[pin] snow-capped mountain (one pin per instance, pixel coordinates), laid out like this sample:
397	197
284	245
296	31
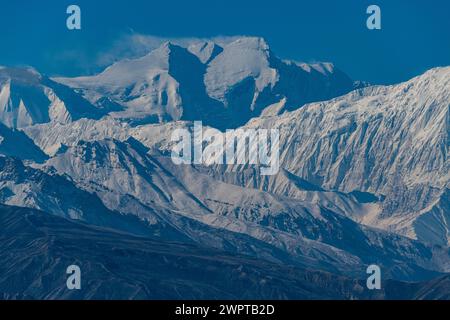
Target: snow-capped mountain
364	174
184	204
386	144
224	85
390	141
28	98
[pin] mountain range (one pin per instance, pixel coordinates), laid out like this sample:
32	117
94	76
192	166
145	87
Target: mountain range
86	176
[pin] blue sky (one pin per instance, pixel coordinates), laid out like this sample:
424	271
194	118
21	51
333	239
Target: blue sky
415	34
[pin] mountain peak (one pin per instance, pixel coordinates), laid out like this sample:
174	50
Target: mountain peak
223	82
169	45
255	43
205	50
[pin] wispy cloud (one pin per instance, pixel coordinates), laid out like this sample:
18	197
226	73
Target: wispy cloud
133	45
128	45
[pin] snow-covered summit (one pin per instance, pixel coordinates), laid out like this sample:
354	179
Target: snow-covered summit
224	85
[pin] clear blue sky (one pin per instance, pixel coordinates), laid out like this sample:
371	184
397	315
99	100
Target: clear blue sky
415	34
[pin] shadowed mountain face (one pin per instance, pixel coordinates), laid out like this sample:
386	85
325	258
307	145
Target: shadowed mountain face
15	143
37	248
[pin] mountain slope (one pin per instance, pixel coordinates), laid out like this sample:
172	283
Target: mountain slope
17	144
33	266
303	229
388	143
24	186
391	141
28	98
